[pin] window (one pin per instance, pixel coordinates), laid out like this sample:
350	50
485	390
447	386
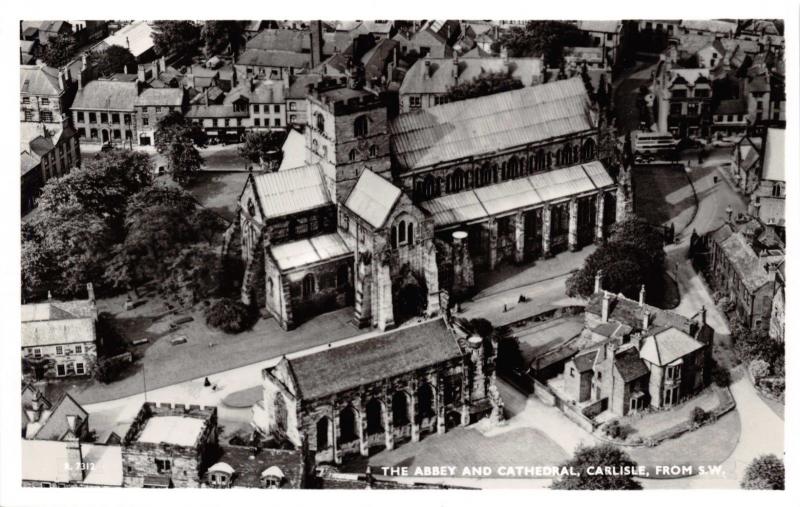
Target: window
59	350
93	133
320	121
163	465
117	134
145	121
28	115
309	286
37	353
158	109
45	101
292	118
103	117
92	117
352	155
277	122
79	368
414	102
226	122
256	108
60	370
115	118
373	151
257	122
572	372
26	100
292	106
276	108
673	372
679	94
702	93
82	132
46	116
79	349
79	116
360	126
776	190
127	119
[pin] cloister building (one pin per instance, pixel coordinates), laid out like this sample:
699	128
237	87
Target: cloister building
388	215
380	391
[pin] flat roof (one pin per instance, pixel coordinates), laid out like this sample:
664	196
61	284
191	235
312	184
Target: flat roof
172	429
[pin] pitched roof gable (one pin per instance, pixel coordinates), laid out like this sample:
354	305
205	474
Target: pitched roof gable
373	198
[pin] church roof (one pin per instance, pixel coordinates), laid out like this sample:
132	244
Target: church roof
483	125
491	200
291	191
309	251
370	360
373	198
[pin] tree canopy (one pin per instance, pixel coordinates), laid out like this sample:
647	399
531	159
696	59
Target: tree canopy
486	84
764	472
113	60
177	138
222	37
176	37
603	455
263	145
59	50
545	39
632	257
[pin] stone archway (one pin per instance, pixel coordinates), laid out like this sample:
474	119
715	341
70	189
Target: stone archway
410	295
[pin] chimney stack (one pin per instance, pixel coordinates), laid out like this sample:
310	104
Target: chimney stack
598	281
75	461
646	320
729	213
61	84
703	315
641	296
606	301
316	43
90	291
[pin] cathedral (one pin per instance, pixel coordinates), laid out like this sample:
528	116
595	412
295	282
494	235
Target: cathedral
394	216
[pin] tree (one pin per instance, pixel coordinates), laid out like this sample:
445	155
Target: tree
173	128
228	315
263	146
184	161
764	472
624	270
638	234
176	37
59	50
222	36
485	84
545	39
604	455
113	60
759	369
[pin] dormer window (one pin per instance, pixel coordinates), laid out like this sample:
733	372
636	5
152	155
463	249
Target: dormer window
272	477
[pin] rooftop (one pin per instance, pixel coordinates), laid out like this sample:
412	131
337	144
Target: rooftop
47	460
172	429
291	191
492	123
309	251
629	365
745	262
248	464
257	57
39	80
55	322
373	198
437	75
774	161
137	37
107	94
348	366
160	97
667	345
55	426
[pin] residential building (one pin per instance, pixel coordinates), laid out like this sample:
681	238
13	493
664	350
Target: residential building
428	82
221	122
275	53
169	445
635	356
423	43
70	463
64	421
45	95
59	337
43	31
607	35
254	467
136	37
682	104
46	152
729	118
264	101
744	256
709	27
104	111
379	392
668	26
152	105
295	91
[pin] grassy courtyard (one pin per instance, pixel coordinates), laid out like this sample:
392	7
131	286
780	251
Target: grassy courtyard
663	194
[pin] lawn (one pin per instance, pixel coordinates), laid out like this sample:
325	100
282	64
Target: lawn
663	194
710	445
462	447
218	191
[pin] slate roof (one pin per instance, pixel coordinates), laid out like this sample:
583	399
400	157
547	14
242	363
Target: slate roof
709	25
279	39
629	365
689	75
667	345
298	87
585	360
604	26
137	37
264	92
55	323
107	94
363	362
309	251
214	111
488	124
160	97
56	427
774	161
248	464
256	57
627	311
44	460
440	72
490	200
745	262
373	198
39	80
291	191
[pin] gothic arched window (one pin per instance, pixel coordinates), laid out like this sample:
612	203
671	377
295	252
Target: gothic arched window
360	128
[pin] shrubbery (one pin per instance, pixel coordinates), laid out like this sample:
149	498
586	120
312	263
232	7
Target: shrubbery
228	315
698	416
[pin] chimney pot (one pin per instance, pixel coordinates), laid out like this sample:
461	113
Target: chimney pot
641	296
606	301
598	281
646	320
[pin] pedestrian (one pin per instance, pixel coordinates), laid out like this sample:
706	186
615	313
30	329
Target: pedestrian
206	383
